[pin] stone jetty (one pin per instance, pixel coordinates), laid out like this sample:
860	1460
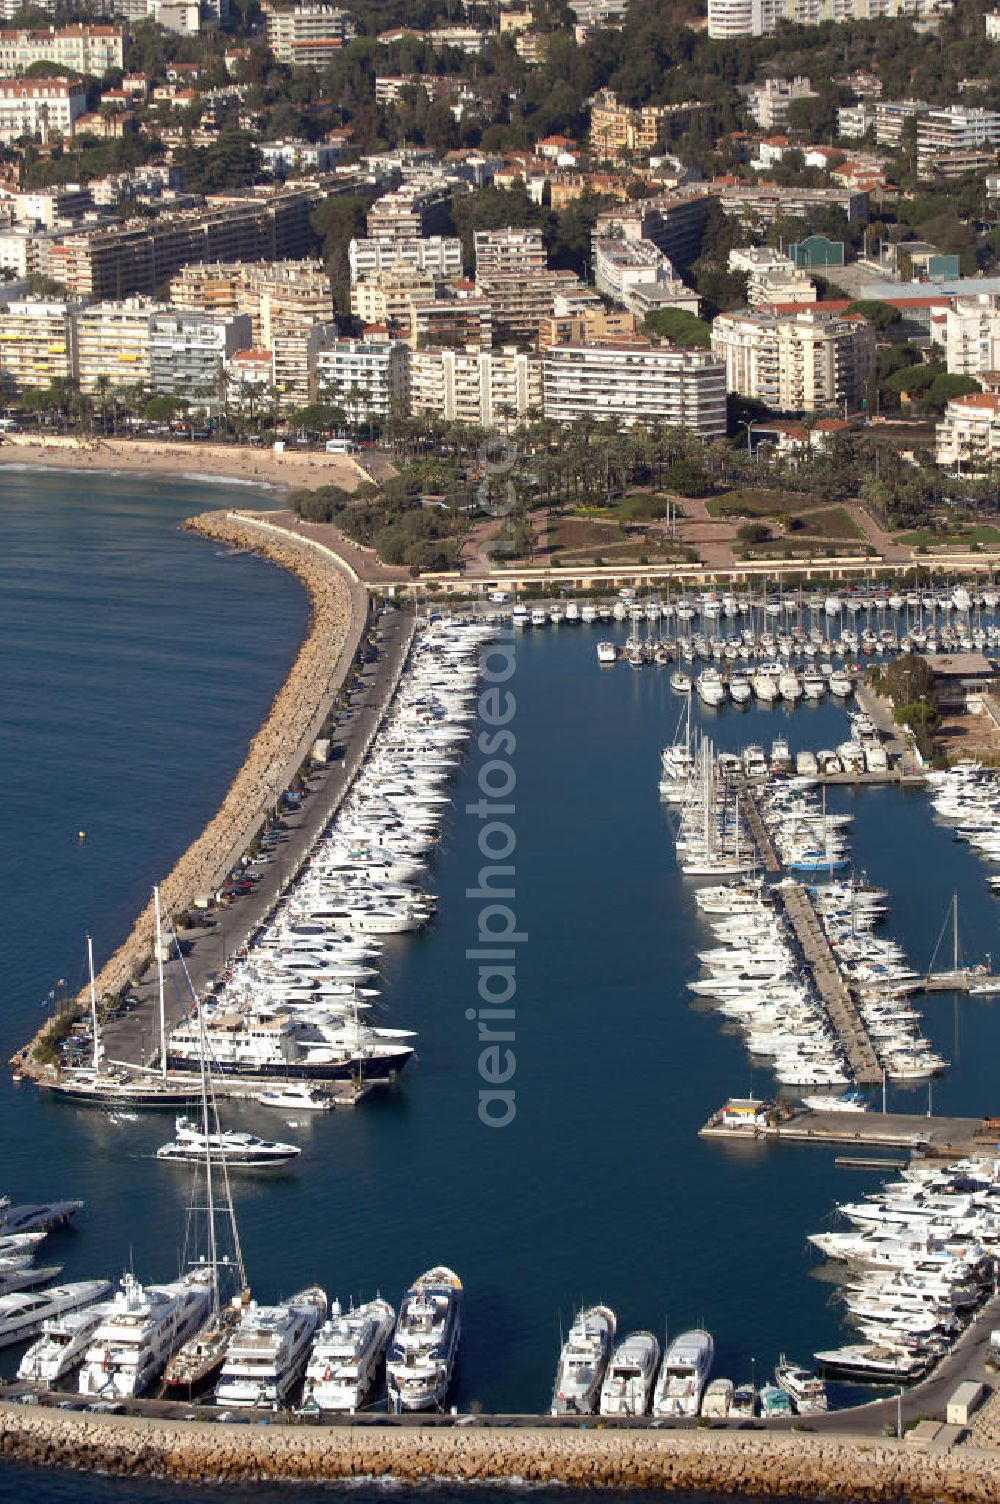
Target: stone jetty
338	611
760	1463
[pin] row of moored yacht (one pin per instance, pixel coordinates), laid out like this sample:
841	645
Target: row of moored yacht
967	797
597	1374
915	1263
294	1004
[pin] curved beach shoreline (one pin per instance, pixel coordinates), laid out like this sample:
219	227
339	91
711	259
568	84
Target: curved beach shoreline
689	1461
282	469
338	613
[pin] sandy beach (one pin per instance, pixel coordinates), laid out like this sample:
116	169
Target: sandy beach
291	470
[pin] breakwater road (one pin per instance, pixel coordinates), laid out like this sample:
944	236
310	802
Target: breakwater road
134	1037
751	1462
338	615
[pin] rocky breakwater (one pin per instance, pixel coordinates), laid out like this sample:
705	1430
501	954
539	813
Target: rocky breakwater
337	619
721	1462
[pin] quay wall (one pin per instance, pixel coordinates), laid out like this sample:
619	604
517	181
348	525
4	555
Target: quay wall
338	614
768	1464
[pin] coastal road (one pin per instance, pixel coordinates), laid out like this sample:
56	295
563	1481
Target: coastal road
134	1037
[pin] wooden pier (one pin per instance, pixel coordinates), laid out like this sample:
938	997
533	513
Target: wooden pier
840	1006
758	830
932	1137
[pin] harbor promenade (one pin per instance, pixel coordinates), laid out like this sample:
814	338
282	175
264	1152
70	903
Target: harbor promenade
836	997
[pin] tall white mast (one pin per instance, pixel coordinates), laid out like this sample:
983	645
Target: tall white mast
93	1005
159	982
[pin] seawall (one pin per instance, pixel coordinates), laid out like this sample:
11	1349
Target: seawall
338	613
732	1463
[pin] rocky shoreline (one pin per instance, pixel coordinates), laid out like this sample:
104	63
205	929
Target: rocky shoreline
337	618
733	1463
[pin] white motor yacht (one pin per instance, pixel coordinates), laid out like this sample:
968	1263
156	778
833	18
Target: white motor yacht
628	1384
583	1361
268	1351
347	1356
421	1357
684	1374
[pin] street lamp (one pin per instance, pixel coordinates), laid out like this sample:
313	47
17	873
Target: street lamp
748	425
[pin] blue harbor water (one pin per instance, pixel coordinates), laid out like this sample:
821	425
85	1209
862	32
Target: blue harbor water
137	662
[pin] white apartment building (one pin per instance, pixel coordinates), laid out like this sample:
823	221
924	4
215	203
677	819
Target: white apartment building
768	102
284	157
188	352
757	18
972	334
367	378
508	251
854	121
419	207
36	343
307	35
438	255
796	362
42	107
891	116
969	433
957	129
85	49
481	387
112	343
992	19
741	18
771	276
636	381
625	269
294	354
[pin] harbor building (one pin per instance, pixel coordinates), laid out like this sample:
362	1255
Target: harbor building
636	381
480	387
584	320
107	262
796	362
456	315
36	343
436	255
367	378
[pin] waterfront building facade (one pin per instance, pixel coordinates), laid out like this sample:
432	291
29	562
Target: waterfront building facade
798	362
36	343
480	387
365	377
112	344
188	353
636	381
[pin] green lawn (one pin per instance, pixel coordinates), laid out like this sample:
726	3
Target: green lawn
751	504
829	522
928	537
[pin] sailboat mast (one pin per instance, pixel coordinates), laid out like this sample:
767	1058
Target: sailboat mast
213	1253
93	1005
159	982
954	935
